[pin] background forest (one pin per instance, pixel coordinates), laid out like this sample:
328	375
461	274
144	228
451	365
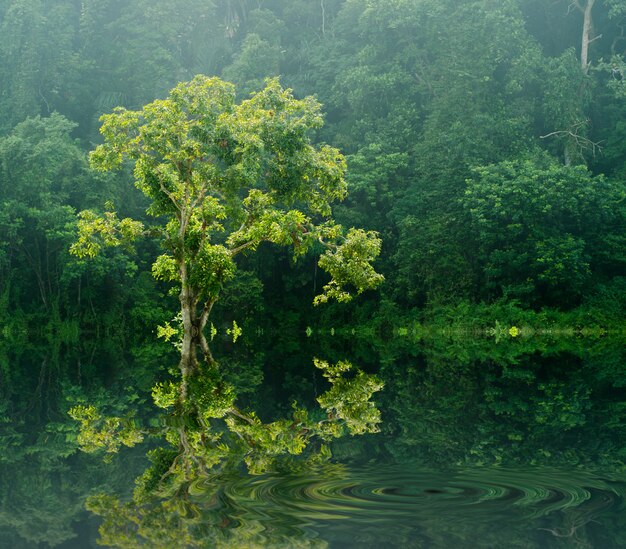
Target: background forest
484	142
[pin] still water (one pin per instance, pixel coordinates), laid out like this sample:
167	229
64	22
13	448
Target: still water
480	444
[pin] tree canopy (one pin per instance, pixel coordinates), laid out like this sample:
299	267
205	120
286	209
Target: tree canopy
221	178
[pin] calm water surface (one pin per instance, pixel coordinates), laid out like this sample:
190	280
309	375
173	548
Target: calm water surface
522	445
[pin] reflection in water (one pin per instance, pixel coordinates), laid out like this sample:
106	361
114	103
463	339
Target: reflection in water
209	438
520	449
396	506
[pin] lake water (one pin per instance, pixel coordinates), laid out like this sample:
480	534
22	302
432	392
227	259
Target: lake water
519	443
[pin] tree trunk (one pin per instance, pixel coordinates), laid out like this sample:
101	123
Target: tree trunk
567	157
586	38
188	356
204	317
193	334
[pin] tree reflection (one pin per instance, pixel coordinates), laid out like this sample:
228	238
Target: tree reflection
206	438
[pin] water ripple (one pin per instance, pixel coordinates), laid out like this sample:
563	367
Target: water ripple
352	507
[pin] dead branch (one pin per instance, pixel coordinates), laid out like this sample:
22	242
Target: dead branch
582	143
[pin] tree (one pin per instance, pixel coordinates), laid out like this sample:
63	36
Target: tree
586	9
221	179
544	231
474	103
36	66
42	173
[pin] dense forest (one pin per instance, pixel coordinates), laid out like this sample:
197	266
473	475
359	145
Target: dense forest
457	166
483	143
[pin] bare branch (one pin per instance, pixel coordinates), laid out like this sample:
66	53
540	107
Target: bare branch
170	195
575	4
206	311
583	143
327	244
618	39
199	197
238	414
594	39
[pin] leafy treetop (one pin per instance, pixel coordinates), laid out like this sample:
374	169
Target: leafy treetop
224	177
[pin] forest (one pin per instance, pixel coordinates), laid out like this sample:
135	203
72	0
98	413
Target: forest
483	144
430	187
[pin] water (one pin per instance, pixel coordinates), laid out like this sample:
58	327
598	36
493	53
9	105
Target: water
409	506
519	444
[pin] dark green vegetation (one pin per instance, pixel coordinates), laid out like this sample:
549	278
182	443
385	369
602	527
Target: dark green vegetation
526	434
468	153
483	143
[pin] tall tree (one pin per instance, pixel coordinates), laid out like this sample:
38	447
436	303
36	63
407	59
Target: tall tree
222	178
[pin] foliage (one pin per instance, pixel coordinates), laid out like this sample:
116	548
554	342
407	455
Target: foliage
539	228
98	432
204	445
413	97
349	400
222	178
487	160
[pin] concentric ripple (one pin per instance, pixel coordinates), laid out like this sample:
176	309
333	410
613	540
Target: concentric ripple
406	506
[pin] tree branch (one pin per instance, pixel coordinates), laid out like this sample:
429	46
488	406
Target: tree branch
575	4
236	412
594	39
170	196
238	249
583	143
206	311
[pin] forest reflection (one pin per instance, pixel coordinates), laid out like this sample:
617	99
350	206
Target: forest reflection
204	438
466	433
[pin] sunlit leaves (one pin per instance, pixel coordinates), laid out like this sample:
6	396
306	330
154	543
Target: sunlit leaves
165	394
349	398
213	267
165	268
96	231
349	264
210	396
196	152
104	433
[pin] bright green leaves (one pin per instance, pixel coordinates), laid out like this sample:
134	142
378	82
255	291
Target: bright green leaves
349	264
265	442
175	130
210	396
107	433
349	398
265	223
96	231
204	100
272	150
165	394
212	268
348	407
206	422
166	268
329	170
198	142
211	214
196	153
119	130
174	143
